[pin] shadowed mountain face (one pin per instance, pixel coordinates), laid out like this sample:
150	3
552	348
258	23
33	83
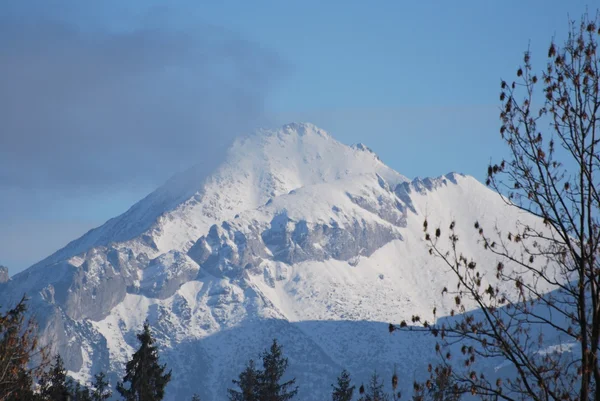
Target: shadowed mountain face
317	352
296	237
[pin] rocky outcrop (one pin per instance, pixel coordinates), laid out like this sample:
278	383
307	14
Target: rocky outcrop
101	281
298	241
4	277
165	274
422	186
229	249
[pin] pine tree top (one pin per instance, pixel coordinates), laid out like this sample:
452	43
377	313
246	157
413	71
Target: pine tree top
146	377
343	391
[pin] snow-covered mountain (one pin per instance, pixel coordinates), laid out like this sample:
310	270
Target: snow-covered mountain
295	236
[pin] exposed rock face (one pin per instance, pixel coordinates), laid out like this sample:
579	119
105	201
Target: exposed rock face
100	282
229	249
4	274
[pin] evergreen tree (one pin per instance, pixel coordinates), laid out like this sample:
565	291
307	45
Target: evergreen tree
79	392
248	382
24	389
54	383
101	388
146	377
374	390
343	391
274	367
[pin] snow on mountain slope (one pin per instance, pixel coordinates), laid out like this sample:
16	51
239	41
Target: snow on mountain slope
399	277
294	236
259	166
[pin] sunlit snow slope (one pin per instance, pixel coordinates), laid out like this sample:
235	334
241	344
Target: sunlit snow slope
295	236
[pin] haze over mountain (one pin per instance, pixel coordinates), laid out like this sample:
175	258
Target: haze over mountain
295	236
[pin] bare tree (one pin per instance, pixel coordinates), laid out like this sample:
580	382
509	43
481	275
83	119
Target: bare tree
439	387
21	359
552	172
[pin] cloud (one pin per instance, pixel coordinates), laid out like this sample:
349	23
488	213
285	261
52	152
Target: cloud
101	102
92	109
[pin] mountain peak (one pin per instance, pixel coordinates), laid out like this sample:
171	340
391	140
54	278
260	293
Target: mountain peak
303	128
293	129
362	147
258	167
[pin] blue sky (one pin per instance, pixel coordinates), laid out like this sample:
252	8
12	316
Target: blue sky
418	82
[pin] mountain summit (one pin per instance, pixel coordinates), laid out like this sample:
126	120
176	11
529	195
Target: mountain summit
258	167
294	236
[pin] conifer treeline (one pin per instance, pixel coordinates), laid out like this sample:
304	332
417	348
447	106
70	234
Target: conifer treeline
28	374
265	384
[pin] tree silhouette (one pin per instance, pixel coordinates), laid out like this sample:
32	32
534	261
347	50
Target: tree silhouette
274	367
54	384
374	390
146	377
265	384
552	172
343	391
248	382
100	388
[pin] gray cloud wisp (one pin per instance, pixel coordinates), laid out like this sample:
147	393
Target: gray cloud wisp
98	109
100	102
